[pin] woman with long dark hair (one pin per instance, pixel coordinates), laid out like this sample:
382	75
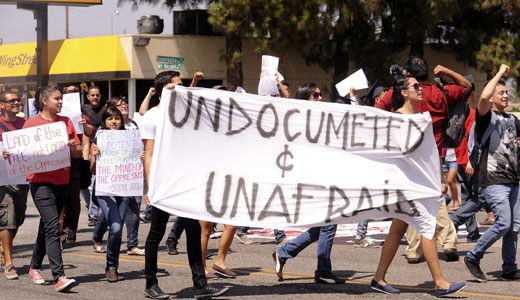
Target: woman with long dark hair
407	92
49	191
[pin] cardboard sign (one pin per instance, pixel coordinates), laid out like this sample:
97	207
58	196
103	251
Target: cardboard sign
37	149
119	170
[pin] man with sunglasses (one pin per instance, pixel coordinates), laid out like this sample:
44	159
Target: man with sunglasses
435	101
13	198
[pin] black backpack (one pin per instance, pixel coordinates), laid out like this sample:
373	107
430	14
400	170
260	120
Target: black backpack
454	130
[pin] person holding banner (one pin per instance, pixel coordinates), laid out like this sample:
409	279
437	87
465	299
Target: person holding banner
407	92
159	218
323	234
13	197
49	191
112	208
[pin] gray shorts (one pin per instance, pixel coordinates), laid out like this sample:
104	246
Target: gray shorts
13	202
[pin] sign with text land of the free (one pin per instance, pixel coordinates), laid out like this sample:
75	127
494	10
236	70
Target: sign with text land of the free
119	169
37	149
169	62
4	172
257	161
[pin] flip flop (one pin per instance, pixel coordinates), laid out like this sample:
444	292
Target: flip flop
100	249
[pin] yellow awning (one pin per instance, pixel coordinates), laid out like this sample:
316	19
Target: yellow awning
73	59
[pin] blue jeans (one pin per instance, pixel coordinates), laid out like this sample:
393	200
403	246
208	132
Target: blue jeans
362	228
472	202
132	222
503	199
177	229
114	209
325	237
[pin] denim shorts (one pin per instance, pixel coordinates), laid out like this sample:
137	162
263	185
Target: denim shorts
449	165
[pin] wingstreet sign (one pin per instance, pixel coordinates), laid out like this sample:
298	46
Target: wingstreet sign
53	2
169	63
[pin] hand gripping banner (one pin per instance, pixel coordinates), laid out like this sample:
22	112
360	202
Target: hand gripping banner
251	160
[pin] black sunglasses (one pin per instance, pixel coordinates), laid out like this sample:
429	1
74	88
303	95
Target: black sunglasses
416	86
12	101
316	95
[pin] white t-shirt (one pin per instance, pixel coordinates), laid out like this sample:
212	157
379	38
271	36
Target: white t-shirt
149	124
130	125
450	155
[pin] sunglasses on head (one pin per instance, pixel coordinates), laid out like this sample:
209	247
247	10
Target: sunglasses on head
316	95
416	86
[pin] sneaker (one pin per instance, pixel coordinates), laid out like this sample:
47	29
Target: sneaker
215	234
71	236
366	243
243	239
474	270
278	268
155	292
451	254
92	223
36	276
209	291
329	278
515	275
171	245
145	219
10	272
64	283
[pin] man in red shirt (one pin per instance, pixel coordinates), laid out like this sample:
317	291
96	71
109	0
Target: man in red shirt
435	101
13	197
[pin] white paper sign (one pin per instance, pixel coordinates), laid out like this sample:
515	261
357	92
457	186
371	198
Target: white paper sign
71	108
4	172
37	149
119	170
357	80
249	160
268	85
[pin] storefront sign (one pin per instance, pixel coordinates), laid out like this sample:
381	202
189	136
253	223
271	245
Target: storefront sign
54	2
169	63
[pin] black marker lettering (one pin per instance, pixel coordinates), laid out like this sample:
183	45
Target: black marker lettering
232	104
215	121
267	213
225	197
241	189
330	124
263	133
353	136
314	139
288	136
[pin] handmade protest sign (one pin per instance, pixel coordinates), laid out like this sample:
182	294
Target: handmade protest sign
4	172
37	149
257	161
356	80
267	85
71	108
119	170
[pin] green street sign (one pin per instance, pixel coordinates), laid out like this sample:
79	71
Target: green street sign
169	63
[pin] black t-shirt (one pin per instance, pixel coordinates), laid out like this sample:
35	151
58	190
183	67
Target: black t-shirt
94	114
499	157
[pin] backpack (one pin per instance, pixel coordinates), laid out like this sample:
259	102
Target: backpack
454	130
474	147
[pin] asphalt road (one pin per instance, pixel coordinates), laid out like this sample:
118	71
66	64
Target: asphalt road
253	263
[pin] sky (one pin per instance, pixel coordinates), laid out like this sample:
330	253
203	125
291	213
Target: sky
17	25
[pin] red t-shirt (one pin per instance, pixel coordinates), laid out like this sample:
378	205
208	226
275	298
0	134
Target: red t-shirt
462	150
60	176
435	102
18	124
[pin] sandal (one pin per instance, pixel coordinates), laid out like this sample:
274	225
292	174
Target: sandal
135	251
453	208
99	249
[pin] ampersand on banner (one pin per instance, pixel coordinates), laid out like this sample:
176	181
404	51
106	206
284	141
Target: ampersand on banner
284	167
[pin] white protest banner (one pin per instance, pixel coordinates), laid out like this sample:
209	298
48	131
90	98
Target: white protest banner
257	161
357	80
4	172
37	149
119	170
71	108
268	85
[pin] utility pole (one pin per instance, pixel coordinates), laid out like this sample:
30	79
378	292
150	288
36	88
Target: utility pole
66	22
